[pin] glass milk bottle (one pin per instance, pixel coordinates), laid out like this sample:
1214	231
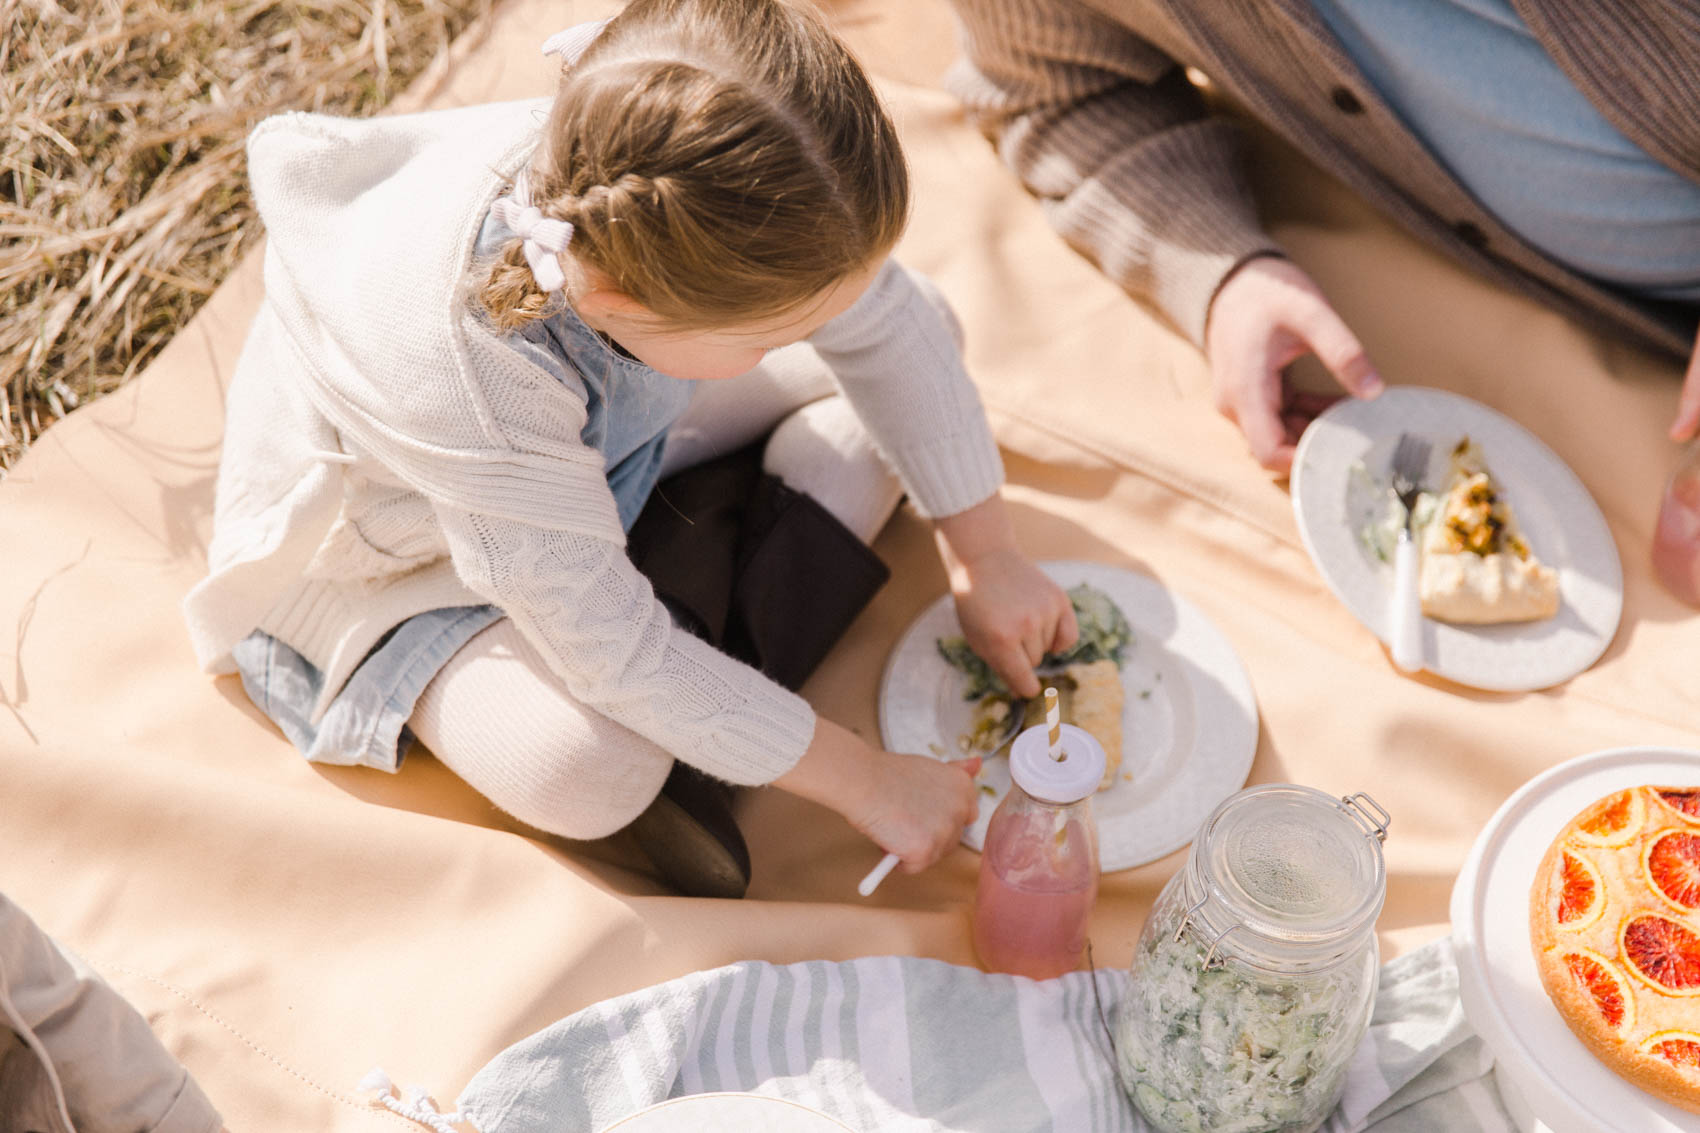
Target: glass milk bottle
1676	540
1039	864
1254	977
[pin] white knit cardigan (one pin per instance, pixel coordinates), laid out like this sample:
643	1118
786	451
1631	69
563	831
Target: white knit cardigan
386	453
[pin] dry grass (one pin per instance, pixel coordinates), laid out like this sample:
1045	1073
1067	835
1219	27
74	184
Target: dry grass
123	190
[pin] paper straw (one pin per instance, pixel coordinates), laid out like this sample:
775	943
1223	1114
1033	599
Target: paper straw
1053	721
877	875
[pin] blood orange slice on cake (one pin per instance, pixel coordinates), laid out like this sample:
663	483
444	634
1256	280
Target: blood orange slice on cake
1679	1048
1673	868
1581	894
1662	952
1604	984
1613	821
1683	800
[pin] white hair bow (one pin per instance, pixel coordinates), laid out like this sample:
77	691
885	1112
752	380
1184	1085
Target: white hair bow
545	238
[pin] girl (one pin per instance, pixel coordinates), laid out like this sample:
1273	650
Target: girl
484	342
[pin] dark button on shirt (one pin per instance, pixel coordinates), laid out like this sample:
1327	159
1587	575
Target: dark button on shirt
1471	233
1345	101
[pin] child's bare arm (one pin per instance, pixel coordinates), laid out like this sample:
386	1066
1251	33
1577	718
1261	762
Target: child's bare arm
909	805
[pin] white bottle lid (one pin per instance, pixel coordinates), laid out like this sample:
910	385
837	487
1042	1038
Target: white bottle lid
1061	781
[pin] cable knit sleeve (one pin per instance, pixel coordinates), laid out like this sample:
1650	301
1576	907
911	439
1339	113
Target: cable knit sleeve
897	356
1107	131
589	611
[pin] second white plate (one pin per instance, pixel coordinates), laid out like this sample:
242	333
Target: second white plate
1339	487
1189	721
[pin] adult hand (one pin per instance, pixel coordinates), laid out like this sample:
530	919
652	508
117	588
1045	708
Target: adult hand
1687	422
910	805
1267	315
1011	612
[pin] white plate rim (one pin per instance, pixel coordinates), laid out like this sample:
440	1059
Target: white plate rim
1512	658
1587	1096
1230	731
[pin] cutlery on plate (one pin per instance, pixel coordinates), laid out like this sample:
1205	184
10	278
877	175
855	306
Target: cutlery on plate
1405	616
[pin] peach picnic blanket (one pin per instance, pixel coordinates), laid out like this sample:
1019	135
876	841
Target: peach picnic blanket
285	927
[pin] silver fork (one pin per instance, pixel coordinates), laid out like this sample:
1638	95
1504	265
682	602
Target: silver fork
1018	707
1405	616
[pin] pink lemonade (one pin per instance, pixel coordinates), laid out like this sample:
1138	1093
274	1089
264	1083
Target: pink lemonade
1036	892
1676	542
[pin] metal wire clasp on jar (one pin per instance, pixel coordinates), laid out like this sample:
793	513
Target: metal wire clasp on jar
1255	974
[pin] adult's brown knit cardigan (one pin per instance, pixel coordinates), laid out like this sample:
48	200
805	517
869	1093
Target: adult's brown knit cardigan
1089	102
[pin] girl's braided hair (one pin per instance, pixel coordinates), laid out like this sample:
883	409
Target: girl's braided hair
720	161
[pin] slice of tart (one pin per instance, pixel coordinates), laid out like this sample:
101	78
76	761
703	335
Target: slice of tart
1477	568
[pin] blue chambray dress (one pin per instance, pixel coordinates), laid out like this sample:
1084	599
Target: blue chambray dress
630	408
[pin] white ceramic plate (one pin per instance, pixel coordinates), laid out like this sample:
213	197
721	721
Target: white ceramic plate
728	1113
1566	1087
1189	724
1339	482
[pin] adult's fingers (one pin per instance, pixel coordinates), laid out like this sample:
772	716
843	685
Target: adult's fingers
1303	408
1296	424
1265	433
1337	348
1280	461
1311	403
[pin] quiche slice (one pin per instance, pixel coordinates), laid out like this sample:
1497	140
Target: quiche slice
1614	927
1477	568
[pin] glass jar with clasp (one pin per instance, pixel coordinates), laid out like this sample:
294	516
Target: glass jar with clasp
1254	977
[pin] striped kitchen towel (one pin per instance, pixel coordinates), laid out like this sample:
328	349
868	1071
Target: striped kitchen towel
906	1045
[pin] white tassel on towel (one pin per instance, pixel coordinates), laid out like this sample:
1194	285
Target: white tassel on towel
415	1106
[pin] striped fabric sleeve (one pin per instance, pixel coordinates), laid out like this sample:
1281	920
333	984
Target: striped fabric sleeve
1117	144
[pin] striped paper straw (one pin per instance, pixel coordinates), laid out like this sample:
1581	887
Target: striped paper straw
1053	722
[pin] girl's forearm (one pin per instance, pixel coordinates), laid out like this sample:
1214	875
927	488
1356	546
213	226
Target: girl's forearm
837	770
969	535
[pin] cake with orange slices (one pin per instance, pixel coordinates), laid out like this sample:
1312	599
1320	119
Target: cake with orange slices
1614	917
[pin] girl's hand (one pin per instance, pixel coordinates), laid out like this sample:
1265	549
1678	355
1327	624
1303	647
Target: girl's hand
920	807
1010	610
910	805
1013	614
